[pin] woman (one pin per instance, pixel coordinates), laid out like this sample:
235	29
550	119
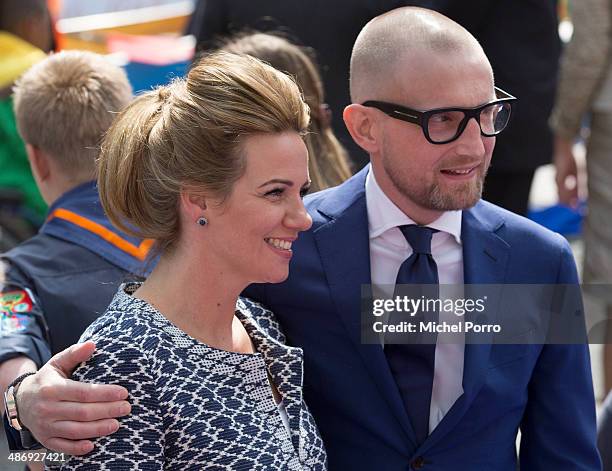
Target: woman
214	169
328	161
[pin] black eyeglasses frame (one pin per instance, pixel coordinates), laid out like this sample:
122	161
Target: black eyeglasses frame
421	118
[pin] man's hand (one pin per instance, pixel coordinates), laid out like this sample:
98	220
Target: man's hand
567	172
12	369
62	414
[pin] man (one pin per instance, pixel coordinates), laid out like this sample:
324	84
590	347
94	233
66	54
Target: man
521	40
473	398
59	281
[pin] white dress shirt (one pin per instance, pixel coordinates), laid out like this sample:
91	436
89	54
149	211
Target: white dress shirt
388	250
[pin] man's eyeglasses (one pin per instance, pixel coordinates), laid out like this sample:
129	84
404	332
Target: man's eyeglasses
444	125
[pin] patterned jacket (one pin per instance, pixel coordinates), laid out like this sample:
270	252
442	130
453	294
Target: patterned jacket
195	407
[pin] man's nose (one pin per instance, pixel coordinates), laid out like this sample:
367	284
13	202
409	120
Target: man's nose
471	140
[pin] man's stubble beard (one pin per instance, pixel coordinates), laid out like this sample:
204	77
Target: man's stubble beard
432	196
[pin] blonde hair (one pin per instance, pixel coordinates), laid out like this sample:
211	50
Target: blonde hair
189	135
65	104
328	162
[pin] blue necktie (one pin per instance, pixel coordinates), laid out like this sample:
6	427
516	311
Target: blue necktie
412	365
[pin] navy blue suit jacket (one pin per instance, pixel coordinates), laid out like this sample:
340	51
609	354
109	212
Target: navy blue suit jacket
545	390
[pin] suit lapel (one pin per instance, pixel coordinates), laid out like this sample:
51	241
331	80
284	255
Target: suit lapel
485	257
344	249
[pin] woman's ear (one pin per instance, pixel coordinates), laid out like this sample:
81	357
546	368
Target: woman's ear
364	127
193	205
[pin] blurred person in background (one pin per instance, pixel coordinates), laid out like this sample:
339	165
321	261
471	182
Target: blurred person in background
585	88
327	159
330	28
521	39
25	38
60	280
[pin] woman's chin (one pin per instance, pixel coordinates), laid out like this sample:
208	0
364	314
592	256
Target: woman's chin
275	278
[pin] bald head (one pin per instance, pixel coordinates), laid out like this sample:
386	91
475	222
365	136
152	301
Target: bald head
404	36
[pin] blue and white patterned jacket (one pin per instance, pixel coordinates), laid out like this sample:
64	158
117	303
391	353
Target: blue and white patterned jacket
195	407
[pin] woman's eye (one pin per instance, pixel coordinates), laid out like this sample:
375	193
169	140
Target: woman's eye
276	193
304	192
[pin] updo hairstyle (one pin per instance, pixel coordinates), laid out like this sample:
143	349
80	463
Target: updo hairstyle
189	136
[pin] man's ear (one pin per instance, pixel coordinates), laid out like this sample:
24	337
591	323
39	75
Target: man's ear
363	127
39	163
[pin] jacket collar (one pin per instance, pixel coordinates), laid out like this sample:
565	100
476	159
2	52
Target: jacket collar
77	217
284	363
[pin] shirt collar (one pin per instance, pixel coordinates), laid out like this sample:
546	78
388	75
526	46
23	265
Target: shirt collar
383	214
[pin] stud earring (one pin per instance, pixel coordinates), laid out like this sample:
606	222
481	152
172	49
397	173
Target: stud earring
202	221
